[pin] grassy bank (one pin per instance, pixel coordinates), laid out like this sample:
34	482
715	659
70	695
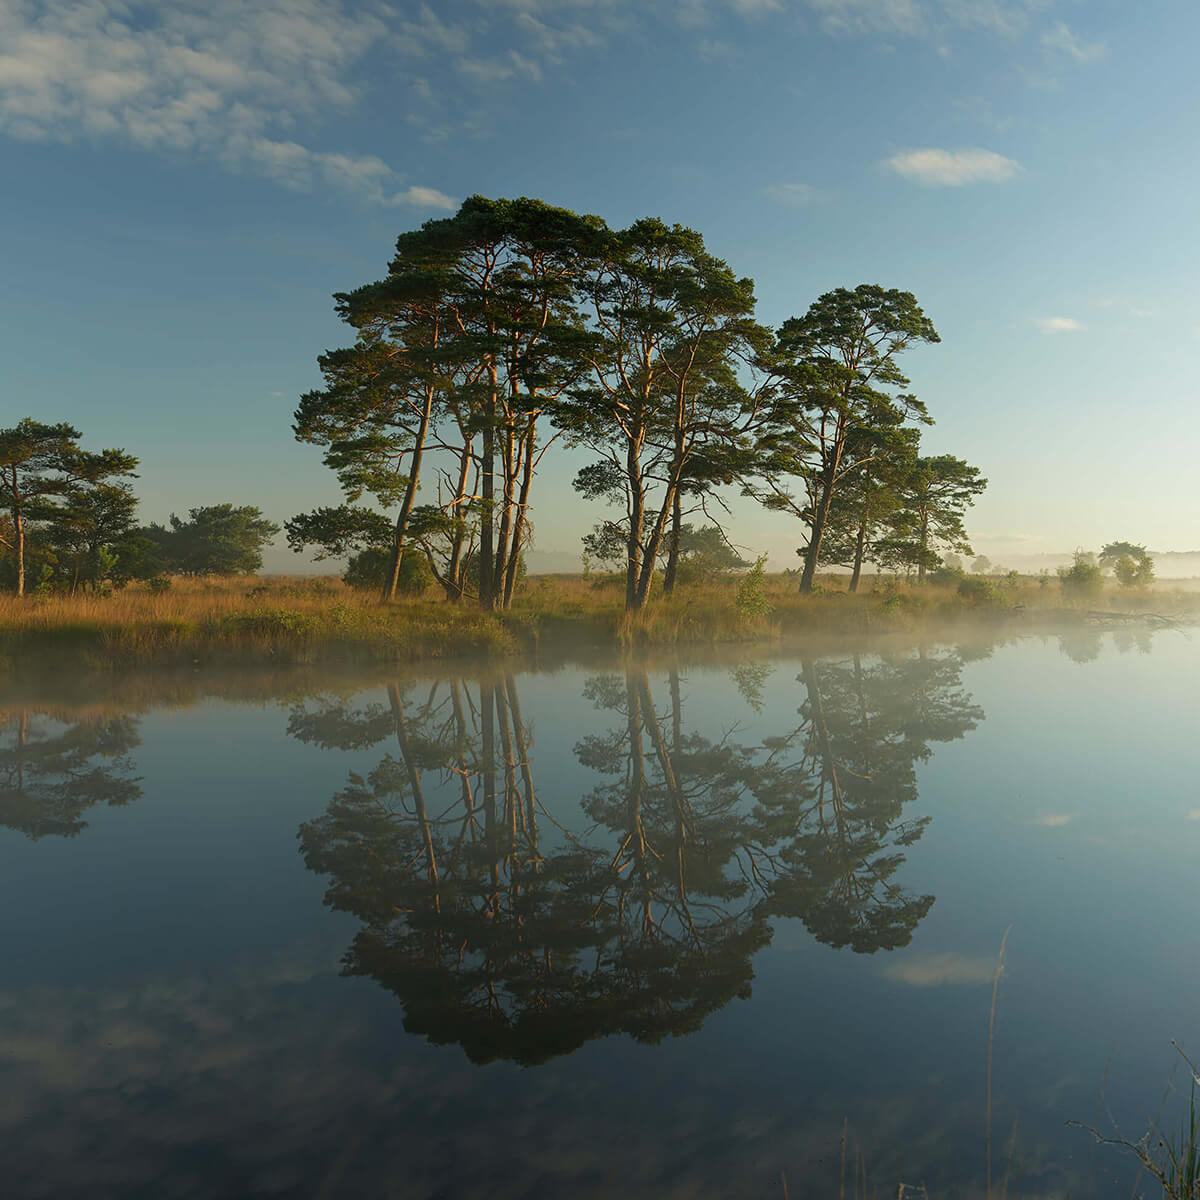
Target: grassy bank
310	620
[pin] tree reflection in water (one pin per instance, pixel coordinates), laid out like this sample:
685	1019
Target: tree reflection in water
503	930
54	767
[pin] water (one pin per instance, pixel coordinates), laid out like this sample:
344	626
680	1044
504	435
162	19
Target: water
652	929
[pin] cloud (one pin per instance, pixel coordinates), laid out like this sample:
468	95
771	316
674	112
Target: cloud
941	970
1059	325
953	168
869	16
497	68
1060	40
423	198
790	193
228	79
1053	820
1194	815
755	8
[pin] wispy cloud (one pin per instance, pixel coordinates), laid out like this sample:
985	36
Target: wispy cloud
1059	39
496	68
941	970
869	16
1053	820
1059	324
226	79
953	168
790	193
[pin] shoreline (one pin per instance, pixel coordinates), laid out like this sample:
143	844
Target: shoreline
311	622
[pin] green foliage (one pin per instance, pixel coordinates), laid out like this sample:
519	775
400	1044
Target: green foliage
752	603
1131	564
705	554
64	511
369	568
1083	578
836	383
945	576
977	590
215	540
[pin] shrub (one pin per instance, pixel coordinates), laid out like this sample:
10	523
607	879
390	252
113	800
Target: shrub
368	568
1082	579
977	590
752	602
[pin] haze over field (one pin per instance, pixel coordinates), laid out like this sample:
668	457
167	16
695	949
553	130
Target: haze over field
191	183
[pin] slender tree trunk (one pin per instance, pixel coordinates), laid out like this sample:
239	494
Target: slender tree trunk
637	516
654	545
19	526
859	549
456	568
924	547
503	546
487	544
521	516
672	570
406	505
820	516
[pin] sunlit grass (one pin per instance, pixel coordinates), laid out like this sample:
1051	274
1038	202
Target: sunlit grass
311	619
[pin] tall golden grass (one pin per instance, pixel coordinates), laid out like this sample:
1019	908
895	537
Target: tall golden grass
315	619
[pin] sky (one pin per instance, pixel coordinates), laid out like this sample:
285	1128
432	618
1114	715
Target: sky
185	184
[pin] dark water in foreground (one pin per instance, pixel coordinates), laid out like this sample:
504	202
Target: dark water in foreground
645	931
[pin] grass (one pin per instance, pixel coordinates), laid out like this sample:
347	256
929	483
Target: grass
318	619
1172	1159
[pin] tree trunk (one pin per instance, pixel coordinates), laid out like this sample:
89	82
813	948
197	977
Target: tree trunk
859	548
520	517
406	506
672	570
924	546
487	544
820	517
503	546
20	524
633	540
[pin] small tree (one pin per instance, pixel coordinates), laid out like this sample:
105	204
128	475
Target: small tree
1131	564
218	539
39	465
837	376
938	492
1083	578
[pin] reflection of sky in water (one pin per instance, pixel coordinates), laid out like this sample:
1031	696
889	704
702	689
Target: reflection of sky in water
172	1021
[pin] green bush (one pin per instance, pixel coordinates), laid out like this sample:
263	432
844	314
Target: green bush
368	568
1082	579
752	602
946	576
977	590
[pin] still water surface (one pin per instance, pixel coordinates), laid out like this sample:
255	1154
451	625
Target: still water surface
638	929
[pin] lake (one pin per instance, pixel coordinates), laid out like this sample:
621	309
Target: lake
649	928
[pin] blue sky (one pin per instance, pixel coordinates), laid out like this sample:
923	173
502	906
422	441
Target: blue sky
186	183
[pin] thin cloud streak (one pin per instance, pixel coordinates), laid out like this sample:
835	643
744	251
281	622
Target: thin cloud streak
1059	325
934	167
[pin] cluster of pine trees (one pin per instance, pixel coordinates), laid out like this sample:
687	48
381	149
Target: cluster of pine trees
514	325
509	328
